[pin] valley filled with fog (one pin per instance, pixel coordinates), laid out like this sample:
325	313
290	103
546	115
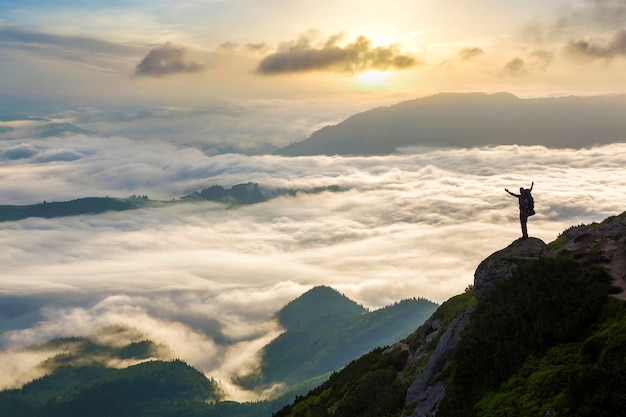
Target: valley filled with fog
205	279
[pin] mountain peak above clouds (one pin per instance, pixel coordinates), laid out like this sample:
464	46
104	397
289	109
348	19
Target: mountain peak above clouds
318	302
469	120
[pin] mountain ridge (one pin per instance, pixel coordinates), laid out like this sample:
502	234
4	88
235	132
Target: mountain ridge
470	120
329	330
314	304
238	194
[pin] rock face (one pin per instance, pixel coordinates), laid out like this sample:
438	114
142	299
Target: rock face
501	264
425	390
601	244
598	244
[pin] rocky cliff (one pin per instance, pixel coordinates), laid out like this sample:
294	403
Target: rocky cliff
602	244
427	390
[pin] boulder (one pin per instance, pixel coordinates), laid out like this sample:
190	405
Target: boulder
501	264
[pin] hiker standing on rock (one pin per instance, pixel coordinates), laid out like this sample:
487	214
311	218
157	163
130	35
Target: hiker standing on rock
526	206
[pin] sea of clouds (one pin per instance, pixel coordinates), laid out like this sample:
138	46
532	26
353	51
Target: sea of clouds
205	279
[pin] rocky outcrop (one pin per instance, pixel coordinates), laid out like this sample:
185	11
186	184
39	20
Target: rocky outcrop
600	244
501	264
425	390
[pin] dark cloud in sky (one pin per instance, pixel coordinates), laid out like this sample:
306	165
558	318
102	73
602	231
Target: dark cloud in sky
515	67
601	14
591	50
467	54
586	19
228	47
257	47
361	55
19	151
170	59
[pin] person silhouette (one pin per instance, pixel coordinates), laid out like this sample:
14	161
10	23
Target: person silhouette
525	208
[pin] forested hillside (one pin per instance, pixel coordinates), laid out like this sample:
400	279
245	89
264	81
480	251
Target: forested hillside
324	330
548	340
153	388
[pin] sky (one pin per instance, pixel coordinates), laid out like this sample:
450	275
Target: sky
163	98
273	71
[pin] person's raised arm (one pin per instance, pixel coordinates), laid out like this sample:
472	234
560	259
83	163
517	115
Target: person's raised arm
514	195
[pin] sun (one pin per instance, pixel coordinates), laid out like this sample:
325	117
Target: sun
373	77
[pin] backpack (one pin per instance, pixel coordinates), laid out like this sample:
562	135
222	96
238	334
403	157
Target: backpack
527	203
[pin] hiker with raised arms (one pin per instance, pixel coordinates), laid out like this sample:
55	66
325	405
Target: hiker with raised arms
526	206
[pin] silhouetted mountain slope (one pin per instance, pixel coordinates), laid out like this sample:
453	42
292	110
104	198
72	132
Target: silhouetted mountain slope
472	119
546	339
319	304
249	193
325	331
148	389
240	194
77	351
88	205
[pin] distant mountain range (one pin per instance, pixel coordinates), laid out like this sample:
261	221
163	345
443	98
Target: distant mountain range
239	194
469	120
324	330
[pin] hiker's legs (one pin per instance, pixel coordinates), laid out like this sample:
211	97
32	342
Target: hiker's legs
523	219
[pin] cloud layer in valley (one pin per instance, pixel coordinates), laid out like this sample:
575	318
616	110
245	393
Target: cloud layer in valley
205	280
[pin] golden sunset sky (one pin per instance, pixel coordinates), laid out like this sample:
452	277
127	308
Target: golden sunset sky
285	49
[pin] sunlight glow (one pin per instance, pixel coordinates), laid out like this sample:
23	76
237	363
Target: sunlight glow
372	77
